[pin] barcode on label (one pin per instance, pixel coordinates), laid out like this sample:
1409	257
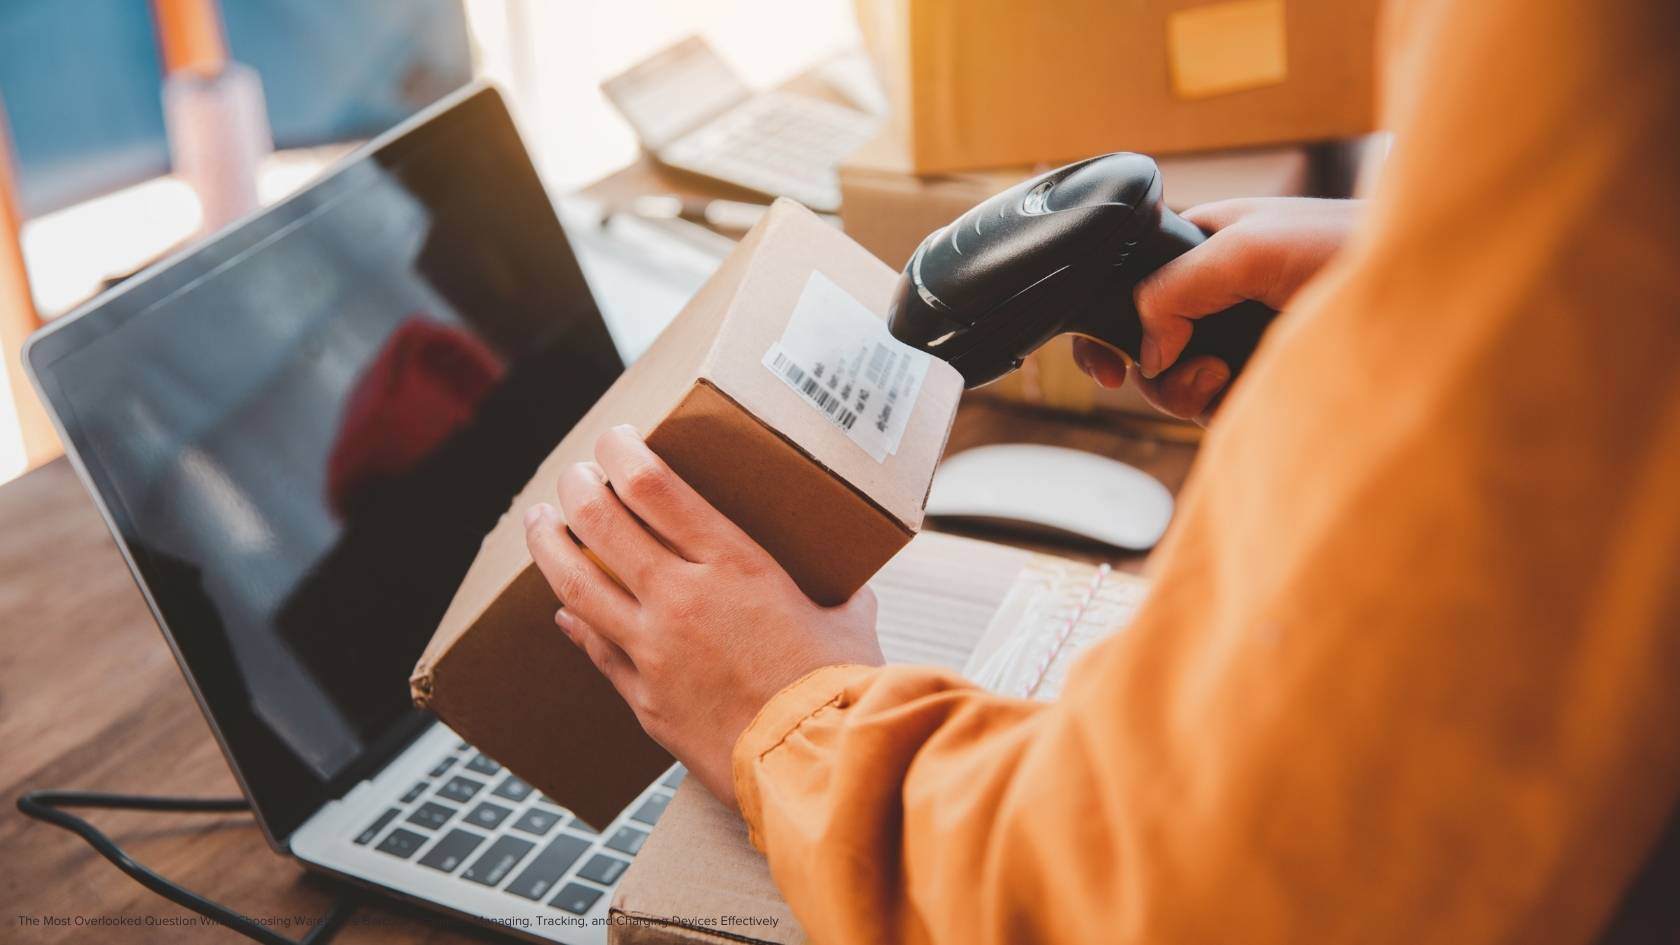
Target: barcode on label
813	391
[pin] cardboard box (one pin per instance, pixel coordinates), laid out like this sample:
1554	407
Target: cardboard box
697	877
717	397
999	83
890	209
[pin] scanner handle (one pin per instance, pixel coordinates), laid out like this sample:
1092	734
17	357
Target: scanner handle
1230	335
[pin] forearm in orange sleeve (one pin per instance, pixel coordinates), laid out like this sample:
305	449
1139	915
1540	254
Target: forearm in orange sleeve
888	794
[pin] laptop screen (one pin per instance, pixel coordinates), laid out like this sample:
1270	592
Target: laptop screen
302	430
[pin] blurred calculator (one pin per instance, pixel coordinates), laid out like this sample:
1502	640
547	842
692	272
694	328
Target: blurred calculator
693	113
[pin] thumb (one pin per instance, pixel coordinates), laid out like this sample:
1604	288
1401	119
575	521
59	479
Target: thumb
1226	269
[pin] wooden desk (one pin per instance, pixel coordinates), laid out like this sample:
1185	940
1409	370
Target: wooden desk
91	698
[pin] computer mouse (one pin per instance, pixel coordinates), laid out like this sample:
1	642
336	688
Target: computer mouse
1053	489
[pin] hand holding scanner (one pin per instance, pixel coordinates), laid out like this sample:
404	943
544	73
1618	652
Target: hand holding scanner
1058	253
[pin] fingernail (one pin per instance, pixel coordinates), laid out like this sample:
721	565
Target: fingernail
628	430
1081	360
1110	371
563	620
534	514
1150	358
594	469
1208	381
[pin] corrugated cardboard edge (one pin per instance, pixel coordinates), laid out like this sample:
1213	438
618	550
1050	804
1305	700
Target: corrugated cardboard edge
696	832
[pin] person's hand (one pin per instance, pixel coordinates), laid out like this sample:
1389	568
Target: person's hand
705	627
1263	249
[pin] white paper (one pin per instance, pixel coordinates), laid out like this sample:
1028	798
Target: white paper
838	356
1054	611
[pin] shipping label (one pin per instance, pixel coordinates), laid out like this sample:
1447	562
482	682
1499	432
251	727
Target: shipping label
842	360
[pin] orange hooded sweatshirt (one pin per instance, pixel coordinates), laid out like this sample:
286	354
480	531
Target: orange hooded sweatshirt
1410	670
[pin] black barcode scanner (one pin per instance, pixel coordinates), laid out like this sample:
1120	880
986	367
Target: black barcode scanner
1058	253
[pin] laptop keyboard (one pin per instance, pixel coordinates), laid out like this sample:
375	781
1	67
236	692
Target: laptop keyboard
471	819
777	143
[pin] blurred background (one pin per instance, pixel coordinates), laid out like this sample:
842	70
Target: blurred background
130	128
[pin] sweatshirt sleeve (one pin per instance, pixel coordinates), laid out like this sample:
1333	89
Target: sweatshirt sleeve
1407	669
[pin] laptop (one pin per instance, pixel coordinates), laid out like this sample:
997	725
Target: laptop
298	432
694	114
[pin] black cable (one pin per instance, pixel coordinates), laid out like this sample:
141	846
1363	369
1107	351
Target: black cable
48	806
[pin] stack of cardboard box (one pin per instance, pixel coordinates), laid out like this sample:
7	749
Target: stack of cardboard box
1228	95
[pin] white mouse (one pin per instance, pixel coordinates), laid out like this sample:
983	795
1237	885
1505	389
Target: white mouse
1053	489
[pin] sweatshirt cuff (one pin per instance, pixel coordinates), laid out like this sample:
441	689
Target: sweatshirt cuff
785	712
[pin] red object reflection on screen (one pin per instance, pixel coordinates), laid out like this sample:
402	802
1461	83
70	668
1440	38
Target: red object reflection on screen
425	384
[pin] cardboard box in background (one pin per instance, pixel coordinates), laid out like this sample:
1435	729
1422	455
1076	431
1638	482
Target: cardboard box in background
831	505
1000	83
889	210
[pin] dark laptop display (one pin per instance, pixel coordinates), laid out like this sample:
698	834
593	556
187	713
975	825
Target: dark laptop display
302	430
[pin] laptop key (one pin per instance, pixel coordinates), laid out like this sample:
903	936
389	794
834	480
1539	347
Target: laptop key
464	746
488	815
448	854
627	839
537	821
603	869
651	808
459	789
498	861
545	870
513	789
576	898
442	767
431	815
366	837
414	792
675	777
400	843
483	765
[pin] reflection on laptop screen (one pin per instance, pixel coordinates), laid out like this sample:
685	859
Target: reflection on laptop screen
304	434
